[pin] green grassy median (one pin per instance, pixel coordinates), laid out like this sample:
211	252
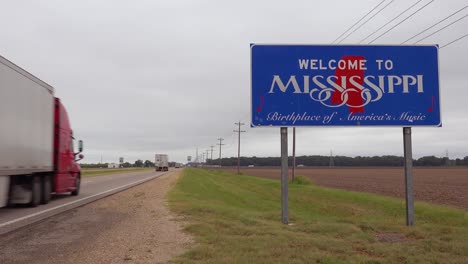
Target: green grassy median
100	172
237	219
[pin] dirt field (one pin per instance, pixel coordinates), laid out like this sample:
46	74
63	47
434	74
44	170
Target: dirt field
448	186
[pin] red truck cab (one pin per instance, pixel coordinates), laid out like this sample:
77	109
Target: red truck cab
67	176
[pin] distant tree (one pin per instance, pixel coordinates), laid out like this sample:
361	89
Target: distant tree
149	163
465	161
138	163
430	161
126	165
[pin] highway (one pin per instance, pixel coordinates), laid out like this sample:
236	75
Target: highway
92	188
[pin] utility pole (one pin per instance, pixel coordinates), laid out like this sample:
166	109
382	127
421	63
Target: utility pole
331	162
207	155
220	144
196	160
294	154
239	131
211	152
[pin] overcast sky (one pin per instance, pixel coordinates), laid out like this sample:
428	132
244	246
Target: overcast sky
146	77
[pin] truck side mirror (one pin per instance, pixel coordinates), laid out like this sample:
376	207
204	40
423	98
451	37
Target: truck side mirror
80	145
80	157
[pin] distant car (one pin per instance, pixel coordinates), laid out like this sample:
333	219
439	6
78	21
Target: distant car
300	165
250	166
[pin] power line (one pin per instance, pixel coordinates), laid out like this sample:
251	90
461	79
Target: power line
454	41
359	21
434	24
441	29
390	21
365	22
239	131
421	8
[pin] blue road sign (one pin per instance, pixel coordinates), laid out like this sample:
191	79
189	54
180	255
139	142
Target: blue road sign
312	85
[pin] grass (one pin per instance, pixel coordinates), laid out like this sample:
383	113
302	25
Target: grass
236	219
100	172
301	180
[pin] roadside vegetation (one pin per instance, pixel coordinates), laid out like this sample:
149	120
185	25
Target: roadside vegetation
237	219
100	172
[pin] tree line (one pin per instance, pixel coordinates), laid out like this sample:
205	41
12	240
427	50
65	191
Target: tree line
314	160
137	164
344	161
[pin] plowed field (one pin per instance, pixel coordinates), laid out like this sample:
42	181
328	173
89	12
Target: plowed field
448	186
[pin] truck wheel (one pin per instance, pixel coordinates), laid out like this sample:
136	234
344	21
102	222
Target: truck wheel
77	186
36	191
46	189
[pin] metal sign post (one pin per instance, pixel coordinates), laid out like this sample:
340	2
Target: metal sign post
284	175
408	176
294	155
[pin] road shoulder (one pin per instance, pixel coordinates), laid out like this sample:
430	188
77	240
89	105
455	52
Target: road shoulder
134	226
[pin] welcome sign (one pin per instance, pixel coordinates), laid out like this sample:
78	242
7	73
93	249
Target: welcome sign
311	85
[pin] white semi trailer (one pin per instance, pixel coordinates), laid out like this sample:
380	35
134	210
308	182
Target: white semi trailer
37	157
161	162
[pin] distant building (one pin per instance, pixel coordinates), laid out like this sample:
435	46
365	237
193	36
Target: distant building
112	165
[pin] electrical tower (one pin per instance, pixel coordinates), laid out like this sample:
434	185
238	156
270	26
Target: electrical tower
239	131
220	144
331	162
211	152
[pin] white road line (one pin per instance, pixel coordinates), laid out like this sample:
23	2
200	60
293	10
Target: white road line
76	201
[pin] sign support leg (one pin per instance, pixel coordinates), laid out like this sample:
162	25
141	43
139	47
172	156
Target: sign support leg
408	160
284	175
294	155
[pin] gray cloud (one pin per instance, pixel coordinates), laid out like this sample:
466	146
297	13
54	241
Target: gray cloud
140	77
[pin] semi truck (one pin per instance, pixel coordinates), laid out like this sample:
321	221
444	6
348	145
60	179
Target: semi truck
37	156
161	162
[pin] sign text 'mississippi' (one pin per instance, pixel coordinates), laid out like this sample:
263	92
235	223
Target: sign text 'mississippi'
371	88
